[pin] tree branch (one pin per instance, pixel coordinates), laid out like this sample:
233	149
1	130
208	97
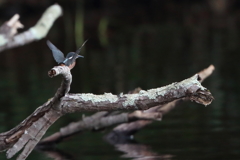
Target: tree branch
27	134
128	129
190	88
66	81
8	39
138	119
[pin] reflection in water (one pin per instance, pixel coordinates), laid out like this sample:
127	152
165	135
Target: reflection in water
133	149
130	148
140	152
55	153
147	44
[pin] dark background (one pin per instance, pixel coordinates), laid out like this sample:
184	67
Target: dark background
132	43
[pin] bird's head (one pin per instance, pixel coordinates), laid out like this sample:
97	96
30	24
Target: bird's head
70	54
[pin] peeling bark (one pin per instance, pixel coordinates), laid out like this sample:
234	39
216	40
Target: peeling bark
28	133
128	129
189	88
139	119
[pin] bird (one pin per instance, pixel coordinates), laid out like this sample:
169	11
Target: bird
70	59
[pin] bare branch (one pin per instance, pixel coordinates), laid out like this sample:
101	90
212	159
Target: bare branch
130	128
66	82
8	39
9	29
140	118
28	133
206	73
190	88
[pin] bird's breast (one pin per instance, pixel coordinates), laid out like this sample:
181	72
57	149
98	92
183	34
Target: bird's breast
71	66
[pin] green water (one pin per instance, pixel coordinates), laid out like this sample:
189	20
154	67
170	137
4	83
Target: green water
132	44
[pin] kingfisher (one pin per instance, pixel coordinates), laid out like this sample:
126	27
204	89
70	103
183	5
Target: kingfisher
70	59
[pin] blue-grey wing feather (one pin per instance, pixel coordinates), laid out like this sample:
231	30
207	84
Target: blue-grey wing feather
57	54
78	51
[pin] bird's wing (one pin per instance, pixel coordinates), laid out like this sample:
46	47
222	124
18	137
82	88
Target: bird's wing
78	51
57	54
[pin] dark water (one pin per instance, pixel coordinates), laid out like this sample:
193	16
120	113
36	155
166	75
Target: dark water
133	44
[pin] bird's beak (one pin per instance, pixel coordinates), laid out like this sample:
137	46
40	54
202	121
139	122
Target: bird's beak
79	56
